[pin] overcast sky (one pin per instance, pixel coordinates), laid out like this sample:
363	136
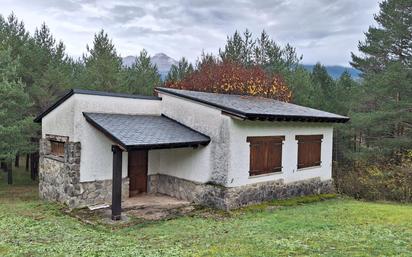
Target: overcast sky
321	30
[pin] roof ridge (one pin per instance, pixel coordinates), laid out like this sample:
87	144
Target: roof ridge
114	94
240	95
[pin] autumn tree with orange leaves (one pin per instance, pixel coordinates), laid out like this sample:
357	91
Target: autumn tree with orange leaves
233	78
245	66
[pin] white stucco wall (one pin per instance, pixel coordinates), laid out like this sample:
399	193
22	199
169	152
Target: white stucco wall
186	163
96	155
196	164
60	121
240	130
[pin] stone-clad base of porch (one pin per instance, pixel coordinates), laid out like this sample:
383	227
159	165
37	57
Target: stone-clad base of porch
59	179
227	198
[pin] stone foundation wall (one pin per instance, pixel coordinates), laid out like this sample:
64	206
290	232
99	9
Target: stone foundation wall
230	198
59	179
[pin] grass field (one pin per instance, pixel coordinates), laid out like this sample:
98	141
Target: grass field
335	227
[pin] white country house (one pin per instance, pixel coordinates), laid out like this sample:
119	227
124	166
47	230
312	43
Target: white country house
212	149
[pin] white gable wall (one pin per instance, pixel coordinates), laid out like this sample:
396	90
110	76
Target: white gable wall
60	121
240	130
96	156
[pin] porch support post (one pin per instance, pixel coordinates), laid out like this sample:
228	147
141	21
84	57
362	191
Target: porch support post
117	183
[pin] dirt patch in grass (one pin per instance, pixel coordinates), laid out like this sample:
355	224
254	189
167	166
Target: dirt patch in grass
18	193
130	217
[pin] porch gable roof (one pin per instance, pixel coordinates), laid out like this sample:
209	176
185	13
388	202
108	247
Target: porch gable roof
145	131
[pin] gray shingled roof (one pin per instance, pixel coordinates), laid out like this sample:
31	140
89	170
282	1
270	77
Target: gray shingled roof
145	131
253	107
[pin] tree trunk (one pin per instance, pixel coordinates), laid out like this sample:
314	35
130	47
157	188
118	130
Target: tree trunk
34	165
9	173
32	168
16	161
27	161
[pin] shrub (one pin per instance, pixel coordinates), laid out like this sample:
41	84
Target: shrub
381	181
233	78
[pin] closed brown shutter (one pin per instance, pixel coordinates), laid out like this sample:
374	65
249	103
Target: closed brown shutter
309	150
57	148
265	154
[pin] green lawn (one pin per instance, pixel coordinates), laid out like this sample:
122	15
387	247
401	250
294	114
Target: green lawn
336	227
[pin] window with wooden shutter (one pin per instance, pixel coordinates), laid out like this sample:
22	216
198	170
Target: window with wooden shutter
57	148
265	154
309	149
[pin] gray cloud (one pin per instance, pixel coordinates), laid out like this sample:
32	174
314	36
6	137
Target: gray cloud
139	32
321	30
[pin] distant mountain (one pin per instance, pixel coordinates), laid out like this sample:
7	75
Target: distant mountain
128	60
162	61
335	70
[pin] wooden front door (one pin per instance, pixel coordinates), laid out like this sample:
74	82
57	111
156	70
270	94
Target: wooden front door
137	169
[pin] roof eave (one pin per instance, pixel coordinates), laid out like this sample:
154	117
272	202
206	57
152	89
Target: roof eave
53	106
168	145
296	118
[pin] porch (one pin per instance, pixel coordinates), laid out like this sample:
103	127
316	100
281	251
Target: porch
137	134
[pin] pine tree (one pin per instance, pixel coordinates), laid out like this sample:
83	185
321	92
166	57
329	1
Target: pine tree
43	68
180	71
206	59
262	51
102	65
273	57
324	86
15	123
239	49
264	48
14	35
385	118
300	83
53	72
347	94
248	44
234	49
390	41
142	77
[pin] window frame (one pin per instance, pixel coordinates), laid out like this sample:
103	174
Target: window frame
257	168
308	140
